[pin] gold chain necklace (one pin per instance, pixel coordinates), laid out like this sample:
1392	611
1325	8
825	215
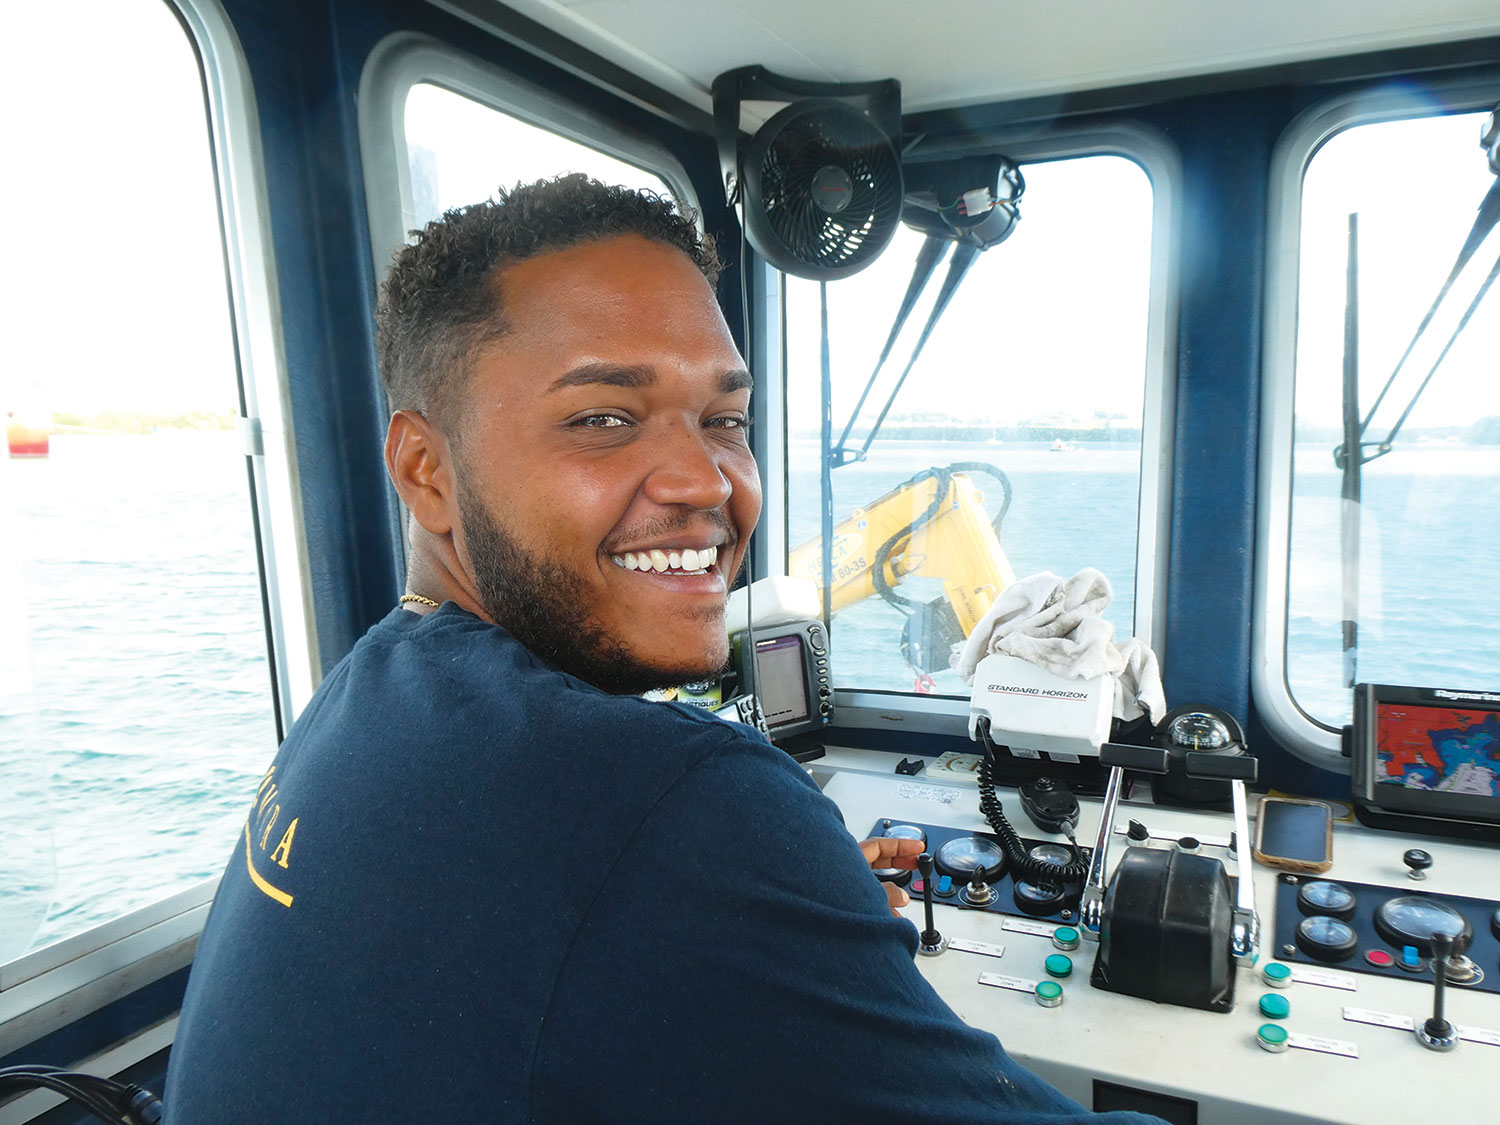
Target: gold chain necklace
419	599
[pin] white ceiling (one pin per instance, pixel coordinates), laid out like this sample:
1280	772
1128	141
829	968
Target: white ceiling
955	52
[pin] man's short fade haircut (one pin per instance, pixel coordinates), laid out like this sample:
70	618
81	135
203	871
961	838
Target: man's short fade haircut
441	303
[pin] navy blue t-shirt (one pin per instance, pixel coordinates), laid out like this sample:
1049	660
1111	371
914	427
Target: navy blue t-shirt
474	888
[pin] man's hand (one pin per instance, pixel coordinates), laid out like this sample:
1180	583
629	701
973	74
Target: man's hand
884	851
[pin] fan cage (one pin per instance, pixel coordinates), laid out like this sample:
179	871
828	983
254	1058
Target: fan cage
785	221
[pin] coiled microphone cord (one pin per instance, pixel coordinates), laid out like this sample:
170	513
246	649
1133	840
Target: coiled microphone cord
1021	861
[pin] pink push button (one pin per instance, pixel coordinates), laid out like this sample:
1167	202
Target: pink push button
1379	958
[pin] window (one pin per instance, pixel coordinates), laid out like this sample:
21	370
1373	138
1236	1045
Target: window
1418	553
459	151
1038	370
136	698
1424	555
434	137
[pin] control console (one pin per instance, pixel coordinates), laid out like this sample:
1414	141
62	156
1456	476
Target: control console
1333	1036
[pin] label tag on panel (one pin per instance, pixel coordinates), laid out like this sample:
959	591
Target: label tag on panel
964	945
1027	926
1323	978
1480	1035
1380	1019
1323	1046
1000	980
939	793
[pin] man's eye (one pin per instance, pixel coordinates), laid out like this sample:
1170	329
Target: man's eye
601	421
730	422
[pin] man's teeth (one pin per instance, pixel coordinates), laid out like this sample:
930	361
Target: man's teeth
656	559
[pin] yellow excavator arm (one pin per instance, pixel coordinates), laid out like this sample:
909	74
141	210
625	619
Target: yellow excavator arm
933	525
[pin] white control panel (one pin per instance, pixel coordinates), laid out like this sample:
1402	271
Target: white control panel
1353	1058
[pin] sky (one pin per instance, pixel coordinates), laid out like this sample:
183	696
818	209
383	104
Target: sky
1416	187
116	297
115	280
479	149
1050	322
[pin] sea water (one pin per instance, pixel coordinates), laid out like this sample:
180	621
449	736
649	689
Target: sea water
135	718
135	711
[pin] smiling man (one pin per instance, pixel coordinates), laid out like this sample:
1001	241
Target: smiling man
483	880
595	493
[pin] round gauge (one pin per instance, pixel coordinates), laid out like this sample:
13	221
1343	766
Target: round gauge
1325	938
1413	919
1052	853
905	832
960	855
1039	899
1323	897
1198	730
899	875
1056	854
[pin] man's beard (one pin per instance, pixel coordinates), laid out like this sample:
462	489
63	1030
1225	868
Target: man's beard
541	604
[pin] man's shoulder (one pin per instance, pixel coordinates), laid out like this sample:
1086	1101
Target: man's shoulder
452	684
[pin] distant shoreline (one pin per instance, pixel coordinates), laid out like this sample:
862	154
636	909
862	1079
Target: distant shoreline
1486	431
120	422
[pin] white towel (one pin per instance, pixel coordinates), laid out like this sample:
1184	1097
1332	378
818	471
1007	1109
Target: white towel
1057	625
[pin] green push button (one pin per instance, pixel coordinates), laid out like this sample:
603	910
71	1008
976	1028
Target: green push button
1275	1007
1272	1037
1049	993
1065	938
1276	974
1058	965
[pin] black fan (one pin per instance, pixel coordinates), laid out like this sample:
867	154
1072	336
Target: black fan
820	183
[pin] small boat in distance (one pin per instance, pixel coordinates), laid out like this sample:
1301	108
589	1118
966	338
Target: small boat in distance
26	438
1060	446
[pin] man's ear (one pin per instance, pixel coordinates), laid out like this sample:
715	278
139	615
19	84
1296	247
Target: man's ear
420	465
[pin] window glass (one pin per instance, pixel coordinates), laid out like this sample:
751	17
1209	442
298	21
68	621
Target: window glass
459	151
1427	553
1036	371
135	693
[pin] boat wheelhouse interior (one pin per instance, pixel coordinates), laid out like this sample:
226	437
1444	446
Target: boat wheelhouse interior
1184	305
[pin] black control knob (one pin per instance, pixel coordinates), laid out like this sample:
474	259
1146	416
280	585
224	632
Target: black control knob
929	942
1436	1033
1417	861
1137	834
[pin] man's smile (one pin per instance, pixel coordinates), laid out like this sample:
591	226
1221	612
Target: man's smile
664	560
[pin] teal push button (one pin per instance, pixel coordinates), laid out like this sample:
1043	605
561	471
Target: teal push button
1272	1037
1276	974
1065	938
1059	965
1274	1006
1049	994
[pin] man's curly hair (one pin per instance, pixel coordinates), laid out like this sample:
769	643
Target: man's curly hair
441	301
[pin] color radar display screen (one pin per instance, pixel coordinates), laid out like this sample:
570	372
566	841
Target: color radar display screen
1438	749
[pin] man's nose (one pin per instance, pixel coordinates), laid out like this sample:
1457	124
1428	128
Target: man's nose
688	470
